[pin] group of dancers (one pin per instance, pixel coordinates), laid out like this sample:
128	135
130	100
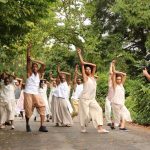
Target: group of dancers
61	106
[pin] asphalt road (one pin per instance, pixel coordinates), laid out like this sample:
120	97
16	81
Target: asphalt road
70	138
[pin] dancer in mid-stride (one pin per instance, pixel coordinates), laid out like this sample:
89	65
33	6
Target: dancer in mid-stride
88	106
31	92
120	112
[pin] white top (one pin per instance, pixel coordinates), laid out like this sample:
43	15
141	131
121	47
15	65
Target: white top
119	95
43	93
89	89
62	90
7	92
77	92
32	84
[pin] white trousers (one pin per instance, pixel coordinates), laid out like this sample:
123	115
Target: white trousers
108	110
7	111
120	112
90	109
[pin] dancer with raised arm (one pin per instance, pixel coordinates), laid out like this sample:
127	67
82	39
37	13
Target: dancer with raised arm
88	106
61	114
120	112
109	97
31	93
77	90
68	80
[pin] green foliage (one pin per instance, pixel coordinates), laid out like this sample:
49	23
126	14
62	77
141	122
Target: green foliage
123	18
102	88
139	102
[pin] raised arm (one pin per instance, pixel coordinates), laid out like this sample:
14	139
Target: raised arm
58	68
19	79
29	60
113	76
10	75
75	77
112	64
51	77
86	63
82	65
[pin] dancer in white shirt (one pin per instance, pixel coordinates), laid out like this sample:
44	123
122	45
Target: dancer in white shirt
31	92
77	90
62	109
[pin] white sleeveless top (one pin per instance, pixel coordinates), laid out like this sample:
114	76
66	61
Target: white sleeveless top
62	90
119	95
32	84
77	93
89	89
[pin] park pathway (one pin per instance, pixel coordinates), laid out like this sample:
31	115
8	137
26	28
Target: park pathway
63	138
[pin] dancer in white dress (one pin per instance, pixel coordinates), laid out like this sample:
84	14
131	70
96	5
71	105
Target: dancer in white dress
120	112
88	106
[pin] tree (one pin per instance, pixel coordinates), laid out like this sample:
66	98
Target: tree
130	20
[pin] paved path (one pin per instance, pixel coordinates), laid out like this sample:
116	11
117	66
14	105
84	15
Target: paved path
63	138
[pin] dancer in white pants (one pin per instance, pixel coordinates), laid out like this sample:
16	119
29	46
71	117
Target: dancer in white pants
61	111
7	103
120	112
88	106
